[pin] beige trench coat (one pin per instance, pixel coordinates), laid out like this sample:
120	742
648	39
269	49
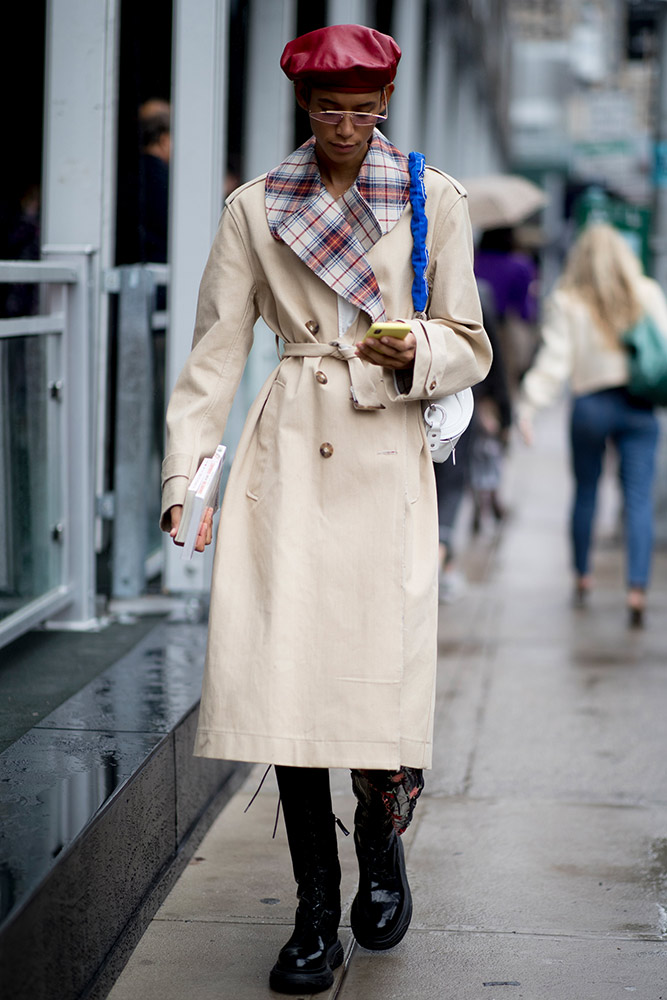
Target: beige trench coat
322	634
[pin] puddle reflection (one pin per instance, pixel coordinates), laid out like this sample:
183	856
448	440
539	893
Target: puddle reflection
58	776
47	820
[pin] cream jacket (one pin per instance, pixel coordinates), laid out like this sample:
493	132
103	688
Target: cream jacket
575	351
322	635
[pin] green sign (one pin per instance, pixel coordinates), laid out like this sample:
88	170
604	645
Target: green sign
631	220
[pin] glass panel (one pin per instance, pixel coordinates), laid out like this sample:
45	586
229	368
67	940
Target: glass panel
30	556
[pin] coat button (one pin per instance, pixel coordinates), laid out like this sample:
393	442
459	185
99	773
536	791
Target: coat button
433	385
321	378
326	450
312	327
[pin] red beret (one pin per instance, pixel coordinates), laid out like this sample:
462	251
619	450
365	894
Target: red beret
350	58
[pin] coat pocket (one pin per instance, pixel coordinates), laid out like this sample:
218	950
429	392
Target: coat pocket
265	439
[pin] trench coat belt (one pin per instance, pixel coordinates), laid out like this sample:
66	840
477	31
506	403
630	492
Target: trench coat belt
362	388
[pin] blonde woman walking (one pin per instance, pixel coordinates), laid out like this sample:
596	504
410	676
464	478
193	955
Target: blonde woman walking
600	296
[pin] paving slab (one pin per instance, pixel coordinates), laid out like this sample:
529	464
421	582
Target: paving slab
42	669
207	961
241	873
591	733
148	690
517	866
435	965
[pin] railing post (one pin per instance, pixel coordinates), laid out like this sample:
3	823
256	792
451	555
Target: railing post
195	183
78	458
133	432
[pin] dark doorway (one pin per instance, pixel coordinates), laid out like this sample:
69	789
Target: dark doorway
22	89
145	76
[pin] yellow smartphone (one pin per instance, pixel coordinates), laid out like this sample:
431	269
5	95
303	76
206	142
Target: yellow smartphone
399	330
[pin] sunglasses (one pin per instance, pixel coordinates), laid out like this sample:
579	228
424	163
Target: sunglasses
356	117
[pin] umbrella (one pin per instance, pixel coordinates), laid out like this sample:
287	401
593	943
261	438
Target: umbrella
502	200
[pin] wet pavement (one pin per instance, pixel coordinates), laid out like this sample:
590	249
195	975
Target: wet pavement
538	853
42	669
56	777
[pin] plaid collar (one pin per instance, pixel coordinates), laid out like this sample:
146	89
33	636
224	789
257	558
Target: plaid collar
332	237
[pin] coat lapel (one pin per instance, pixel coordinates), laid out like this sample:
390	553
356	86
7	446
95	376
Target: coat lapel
332	238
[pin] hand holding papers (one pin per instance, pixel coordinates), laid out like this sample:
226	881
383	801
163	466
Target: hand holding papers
202	493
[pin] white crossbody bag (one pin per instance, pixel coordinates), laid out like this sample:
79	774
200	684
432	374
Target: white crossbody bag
446	419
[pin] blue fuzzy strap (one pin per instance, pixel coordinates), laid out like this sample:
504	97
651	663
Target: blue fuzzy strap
419	226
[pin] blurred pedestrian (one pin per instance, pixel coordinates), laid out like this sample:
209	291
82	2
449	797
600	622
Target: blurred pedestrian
143	190
323	625
452	480
20	240
600	296
492	423
477	463
512	275
153	196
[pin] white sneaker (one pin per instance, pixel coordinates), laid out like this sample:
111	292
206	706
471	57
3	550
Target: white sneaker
452	586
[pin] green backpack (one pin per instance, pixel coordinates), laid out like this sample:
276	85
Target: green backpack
647	355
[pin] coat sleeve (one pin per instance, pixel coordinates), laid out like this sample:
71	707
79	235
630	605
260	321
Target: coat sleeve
553	364
204	391
453	351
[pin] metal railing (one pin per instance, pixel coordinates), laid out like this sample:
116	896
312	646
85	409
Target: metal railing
139	406
47	567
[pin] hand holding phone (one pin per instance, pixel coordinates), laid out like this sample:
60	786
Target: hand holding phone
398	330
390	345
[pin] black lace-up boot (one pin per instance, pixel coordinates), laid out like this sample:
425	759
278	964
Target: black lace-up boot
382	909
306	963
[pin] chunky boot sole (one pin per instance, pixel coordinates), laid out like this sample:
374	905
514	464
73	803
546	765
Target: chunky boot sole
373	940
293	981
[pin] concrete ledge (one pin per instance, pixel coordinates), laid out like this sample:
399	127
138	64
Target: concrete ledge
102	806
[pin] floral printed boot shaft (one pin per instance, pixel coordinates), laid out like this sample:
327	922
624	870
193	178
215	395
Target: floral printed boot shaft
382	909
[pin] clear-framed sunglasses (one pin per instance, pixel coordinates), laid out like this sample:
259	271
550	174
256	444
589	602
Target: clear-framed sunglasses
356	117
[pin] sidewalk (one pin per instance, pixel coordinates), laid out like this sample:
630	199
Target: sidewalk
538	854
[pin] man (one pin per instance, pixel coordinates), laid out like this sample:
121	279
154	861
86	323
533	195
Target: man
153	188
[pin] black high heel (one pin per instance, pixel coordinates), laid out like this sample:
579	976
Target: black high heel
636	600
635	617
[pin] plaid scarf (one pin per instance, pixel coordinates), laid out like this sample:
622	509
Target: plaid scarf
332	237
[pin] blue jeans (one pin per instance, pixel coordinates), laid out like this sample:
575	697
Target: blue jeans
613	415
